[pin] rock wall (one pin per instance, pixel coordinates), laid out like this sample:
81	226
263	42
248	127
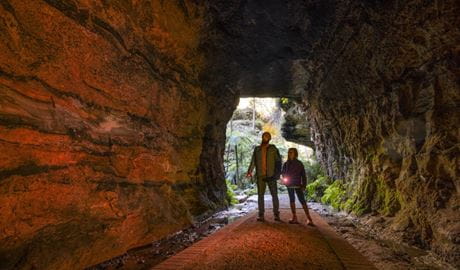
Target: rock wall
380	93
109	137
113	113
295	127
383	102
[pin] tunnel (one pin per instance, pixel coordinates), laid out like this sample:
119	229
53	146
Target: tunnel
113	115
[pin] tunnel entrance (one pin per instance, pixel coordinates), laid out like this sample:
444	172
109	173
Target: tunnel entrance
251	118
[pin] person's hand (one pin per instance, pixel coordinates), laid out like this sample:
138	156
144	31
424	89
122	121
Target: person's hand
249	175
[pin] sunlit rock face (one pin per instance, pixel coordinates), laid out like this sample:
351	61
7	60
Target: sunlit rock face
109	139
296	128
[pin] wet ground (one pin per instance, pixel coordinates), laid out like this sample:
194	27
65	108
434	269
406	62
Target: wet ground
383	253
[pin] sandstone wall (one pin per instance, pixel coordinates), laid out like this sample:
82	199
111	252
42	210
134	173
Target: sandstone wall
108	140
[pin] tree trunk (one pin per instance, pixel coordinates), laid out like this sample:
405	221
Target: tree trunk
227	150
237	174
254	114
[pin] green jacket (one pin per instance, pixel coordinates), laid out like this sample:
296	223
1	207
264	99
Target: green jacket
273	160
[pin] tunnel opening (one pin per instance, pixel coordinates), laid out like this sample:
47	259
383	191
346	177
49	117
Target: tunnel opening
252	117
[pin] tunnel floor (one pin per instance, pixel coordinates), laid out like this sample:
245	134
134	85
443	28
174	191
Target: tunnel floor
248	244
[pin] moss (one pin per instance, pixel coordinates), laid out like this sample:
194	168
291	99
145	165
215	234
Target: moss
361	199
385	201
360	208
371	195
347	205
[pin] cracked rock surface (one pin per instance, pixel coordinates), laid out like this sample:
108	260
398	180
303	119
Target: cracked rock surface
113	115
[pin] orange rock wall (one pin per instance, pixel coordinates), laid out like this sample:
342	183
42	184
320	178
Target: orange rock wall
102	122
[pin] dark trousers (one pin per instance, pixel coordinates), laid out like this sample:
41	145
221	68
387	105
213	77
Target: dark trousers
272	186
300	195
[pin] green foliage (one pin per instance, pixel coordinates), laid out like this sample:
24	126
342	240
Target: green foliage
231	199
316	189
313	169
287	103
242	138
244	143
386	199
334	195
251	191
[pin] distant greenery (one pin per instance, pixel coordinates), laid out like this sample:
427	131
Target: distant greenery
239	144
242	137
231	199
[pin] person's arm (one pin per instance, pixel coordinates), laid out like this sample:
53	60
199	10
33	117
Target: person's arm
303	177
252	164
283	170
278	163
278	156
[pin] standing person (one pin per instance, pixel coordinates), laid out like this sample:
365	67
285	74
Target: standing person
295	179
267	161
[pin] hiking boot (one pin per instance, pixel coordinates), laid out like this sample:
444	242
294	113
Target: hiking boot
293	221
261	219
277	218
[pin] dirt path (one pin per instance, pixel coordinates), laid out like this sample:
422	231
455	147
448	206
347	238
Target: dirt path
248	244
250	237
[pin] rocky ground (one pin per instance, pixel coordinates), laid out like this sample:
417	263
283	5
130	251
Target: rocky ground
367	235
377	246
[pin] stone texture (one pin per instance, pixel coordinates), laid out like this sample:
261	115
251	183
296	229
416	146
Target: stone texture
113	113
380	91
108	138
295	127
382	101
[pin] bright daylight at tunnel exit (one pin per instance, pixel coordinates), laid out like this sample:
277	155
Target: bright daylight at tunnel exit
229	134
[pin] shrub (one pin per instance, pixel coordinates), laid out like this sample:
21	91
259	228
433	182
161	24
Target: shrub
316	189
334	195
231	199
251	191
